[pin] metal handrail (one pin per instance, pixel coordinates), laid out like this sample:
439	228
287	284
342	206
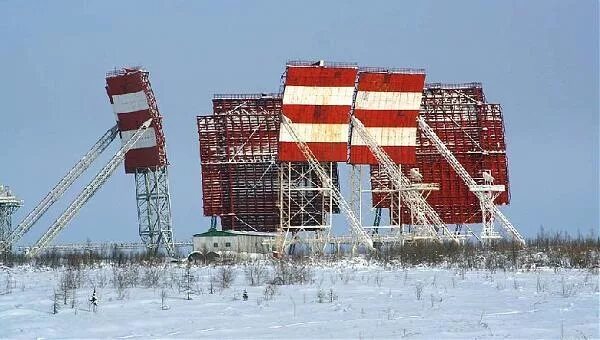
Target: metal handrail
325	63
246	95
453	86
391	70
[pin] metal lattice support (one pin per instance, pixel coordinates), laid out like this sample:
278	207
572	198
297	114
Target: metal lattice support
65	183
333	192
84	196
486	193
429	224
306	205
154	208
8	205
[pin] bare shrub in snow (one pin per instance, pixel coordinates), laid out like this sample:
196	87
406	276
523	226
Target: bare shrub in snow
332	295
567	289
98	280
321	296
69	281
224	277
256	273
187	282
163	300
540	285
347	276
419	289
125	277
292	272
9	284
269	292
378	279
152	276
55	302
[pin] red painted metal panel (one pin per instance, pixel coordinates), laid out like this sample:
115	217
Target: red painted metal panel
387	118
319	95
127	80
134	82
133	120
331	114
327	152
362	154
320	76
263	103
240	182
391	81
388	99
474	131
141	158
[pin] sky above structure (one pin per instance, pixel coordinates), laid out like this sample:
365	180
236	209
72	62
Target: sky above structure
539	59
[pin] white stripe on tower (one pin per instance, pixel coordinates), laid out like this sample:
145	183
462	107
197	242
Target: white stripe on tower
318	95
389	136
316	133
147	140
371	100
130	102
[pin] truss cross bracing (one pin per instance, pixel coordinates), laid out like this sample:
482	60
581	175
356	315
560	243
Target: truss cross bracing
473	131
428	223
9	203
240	171
333	192
62	186
88	191
485	193
154	208
306	202
133	101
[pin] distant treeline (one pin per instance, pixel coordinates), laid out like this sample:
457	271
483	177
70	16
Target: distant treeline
557	250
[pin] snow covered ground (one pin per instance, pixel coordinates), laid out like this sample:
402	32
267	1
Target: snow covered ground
369	302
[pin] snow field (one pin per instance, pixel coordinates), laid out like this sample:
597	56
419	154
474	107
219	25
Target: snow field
345	300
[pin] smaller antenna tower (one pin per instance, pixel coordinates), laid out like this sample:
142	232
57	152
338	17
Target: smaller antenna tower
9	203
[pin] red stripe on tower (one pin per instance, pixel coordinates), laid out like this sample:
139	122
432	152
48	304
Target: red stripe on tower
387	103
317	99
133	103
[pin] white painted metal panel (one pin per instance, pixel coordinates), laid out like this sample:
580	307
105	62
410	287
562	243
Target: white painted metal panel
371	100
318	95
147	140
316	133
130	102
389	136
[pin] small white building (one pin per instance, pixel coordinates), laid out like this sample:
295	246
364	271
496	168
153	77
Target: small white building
220	241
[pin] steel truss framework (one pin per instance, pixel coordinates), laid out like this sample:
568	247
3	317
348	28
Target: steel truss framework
473	131
61	187
148	164
240	172
306	204
9	203
428	223
486	193
471	128
154	208
327	189
88	191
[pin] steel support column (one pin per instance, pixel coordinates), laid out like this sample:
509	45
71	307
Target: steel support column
154	208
